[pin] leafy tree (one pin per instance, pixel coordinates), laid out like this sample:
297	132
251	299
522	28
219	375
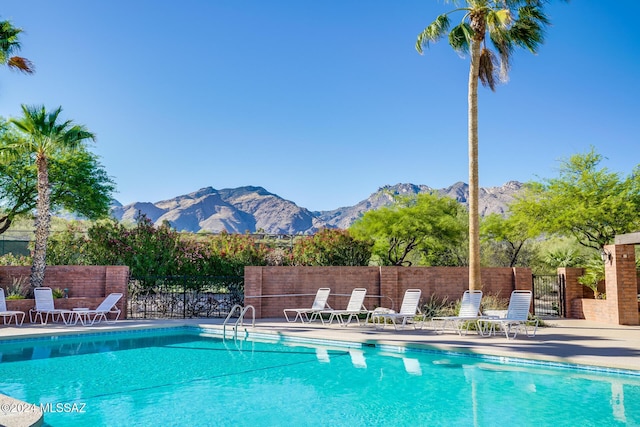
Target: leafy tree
79	184
69	246
9	45
507	24
510	233
411	229
45	138
589	203
332	247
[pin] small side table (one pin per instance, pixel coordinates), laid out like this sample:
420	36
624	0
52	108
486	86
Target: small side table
490	329
82	314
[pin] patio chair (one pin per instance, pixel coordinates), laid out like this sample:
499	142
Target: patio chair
409	310
45	307
107	306
355	307
469	313
8	315
319	304
517	317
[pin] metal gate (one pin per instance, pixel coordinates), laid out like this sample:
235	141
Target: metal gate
548	295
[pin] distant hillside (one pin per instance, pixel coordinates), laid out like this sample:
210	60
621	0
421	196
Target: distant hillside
251	209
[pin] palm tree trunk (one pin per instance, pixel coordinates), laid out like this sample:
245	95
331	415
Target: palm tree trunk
474	220
42	223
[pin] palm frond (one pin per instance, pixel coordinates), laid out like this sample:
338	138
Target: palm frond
10	44
528	30
499	19
21	64
9	38
501	40
534	12
460	37
487	73
435	31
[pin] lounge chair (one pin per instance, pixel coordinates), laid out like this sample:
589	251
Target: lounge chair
517	317
45	307
409	310
469	313
8	315
355	307
319	304
107	306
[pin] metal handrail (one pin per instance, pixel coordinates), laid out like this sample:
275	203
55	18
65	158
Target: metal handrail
240	320
331	295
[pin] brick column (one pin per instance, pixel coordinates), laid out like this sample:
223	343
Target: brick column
117	280
253	288
621	283
573	292
389	286
522	279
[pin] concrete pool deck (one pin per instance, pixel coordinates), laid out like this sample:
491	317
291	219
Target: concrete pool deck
561	340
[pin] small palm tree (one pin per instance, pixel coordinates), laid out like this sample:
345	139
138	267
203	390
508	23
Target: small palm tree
9	45
507	24
45	136
594	274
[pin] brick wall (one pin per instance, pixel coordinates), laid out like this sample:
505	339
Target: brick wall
600	310
87	285
271	289
620	286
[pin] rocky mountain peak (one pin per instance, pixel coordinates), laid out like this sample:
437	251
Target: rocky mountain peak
252	209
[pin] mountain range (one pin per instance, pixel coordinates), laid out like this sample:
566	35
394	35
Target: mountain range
254	209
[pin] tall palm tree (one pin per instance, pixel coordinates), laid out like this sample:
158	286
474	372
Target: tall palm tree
45	136
507	24
9	45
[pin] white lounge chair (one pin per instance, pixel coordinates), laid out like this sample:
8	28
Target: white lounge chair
108	306
8	315
517	317
319	304
409	310
45	307
469	313
355	307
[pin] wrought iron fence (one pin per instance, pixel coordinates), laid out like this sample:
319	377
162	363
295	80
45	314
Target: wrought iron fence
183	296
548	295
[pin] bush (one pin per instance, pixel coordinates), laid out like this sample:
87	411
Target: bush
331	247
19	288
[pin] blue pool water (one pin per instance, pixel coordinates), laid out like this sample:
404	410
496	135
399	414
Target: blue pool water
185	377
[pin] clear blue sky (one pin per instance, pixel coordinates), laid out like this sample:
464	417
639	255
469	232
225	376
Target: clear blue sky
320	102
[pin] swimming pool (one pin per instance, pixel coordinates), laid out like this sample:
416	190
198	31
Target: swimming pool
188	377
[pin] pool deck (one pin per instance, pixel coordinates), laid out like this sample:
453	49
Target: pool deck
561	340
